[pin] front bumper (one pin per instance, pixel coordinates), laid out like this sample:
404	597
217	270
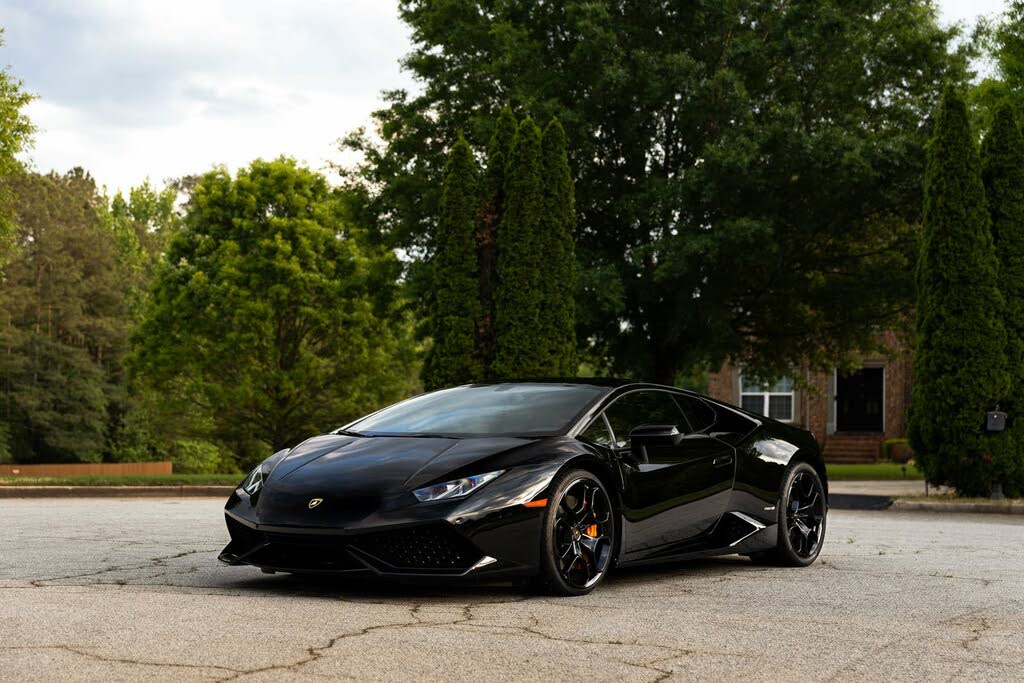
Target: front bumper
425	550
487	536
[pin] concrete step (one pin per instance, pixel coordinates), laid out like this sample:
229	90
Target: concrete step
852	451
852	448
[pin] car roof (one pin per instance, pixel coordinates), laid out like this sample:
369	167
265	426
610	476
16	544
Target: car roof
608	382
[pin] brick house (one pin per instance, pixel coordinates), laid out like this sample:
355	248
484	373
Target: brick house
851	413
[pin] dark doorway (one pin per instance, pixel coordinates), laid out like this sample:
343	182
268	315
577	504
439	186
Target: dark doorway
859	398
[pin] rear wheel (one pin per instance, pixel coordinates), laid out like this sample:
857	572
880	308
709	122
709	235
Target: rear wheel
579	534
801	519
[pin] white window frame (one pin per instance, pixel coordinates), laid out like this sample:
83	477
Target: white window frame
766	395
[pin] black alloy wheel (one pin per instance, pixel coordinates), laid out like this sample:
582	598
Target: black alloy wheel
801	516
805	514
579	534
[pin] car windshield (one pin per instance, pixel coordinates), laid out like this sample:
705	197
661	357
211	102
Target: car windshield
485	410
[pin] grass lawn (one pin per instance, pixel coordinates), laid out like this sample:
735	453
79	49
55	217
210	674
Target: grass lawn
872	472
884	470
126	480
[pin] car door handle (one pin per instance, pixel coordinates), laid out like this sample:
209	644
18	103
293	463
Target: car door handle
722	461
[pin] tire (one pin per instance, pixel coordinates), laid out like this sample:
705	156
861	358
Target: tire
801	526
578	535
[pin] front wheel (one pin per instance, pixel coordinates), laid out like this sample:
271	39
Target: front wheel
579	534
801	519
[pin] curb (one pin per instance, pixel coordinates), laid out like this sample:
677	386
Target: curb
858	501
181	491
989	508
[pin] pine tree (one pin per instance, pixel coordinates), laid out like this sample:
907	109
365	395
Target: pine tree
558	267
64	321
498	151
516	297
1003	175
960	367
454	359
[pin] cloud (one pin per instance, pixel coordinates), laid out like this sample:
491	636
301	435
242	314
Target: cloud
131	89
135	89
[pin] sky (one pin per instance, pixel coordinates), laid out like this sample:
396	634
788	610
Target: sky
132	89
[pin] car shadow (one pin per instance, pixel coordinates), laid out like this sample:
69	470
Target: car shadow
379	589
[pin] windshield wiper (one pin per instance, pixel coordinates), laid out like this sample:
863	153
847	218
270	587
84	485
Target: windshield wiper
348	432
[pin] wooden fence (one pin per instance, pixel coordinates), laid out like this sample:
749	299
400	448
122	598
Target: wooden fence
86	469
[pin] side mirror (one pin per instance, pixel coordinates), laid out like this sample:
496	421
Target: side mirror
655	435
646	436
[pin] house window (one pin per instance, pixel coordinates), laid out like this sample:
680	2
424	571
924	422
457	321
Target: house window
774	400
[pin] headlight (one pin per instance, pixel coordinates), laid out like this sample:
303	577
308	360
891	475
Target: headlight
254	482
455	488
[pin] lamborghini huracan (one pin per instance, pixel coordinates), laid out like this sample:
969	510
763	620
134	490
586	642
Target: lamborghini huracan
555	481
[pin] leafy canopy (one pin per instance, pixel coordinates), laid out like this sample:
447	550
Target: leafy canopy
16	131
272	310
747	172
1005	49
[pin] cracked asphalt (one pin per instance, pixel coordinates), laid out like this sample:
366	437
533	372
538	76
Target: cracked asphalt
101	589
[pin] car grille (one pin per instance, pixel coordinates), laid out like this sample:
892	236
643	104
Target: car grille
433	548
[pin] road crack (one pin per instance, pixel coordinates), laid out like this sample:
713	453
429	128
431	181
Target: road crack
80	651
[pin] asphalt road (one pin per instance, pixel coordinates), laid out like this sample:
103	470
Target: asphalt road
130	589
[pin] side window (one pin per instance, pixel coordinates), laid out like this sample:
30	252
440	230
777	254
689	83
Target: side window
700	414
598	433
640	408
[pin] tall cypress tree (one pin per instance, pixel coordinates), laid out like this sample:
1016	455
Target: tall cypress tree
1002	157
498	152
516	296
454	359
558	267
960	367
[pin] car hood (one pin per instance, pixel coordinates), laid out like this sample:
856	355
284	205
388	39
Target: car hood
357	476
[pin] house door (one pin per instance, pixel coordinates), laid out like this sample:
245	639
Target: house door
859	399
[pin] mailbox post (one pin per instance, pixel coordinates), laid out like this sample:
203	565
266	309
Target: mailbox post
995	421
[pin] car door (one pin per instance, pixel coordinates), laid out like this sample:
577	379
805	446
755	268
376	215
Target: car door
681	490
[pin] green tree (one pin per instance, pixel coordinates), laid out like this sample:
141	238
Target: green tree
498	150
63	321
146	423
960	366
142	225
16	131
454	357
517	297
272	311
557	325
747	172
1002	156
1005	48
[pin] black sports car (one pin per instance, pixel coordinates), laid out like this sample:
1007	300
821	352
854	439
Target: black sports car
558	480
